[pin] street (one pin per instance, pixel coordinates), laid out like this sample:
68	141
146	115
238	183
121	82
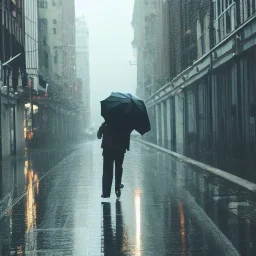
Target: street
165	209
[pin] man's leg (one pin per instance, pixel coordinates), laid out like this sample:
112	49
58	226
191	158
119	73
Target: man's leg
107	176
119	159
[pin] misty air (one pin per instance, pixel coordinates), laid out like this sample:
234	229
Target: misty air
127	127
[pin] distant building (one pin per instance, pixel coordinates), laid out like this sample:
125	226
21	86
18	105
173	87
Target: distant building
151	41
82	67
58	68
58	20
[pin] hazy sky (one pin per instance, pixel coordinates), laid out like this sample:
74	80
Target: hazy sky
111	34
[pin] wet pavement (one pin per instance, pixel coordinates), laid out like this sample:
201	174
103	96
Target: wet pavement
50	204
240	162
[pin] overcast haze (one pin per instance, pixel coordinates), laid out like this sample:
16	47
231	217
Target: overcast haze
111	34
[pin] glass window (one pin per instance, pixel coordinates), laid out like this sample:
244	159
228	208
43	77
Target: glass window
56	57
43	4
46	61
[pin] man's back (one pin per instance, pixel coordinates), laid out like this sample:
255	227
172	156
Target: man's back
115	137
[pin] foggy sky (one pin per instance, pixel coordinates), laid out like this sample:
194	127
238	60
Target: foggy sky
111	34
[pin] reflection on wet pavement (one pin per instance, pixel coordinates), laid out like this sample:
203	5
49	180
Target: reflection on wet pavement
166	208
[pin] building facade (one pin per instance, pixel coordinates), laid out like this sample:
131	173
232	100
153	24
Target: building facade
12	70
58	62
58	21
151	41
207	110
31	42
82	69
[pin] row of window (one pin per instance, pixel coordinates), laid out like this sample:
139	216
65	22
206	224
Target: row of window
227	15
12	25
43	25
44	3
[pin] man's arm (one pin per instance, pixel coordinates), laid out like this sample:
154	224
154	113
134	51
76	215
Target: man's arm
100	131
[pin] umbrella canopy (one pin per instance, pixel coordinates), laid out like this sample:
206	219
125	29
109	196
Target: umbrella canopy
127	110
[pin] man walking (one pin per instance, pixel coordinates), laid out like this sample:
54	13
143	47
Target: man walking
115	143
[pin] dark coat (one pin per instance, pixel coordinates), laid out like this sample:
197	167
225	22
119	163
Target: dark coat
114	138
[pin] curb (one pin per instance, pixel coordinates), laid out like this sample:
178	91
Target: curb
218	172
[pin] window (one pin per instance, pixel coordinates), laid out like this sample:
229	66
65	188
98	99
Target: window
191	109
54	21
225	12
56	57
54	31
46	61
43	24
43	4
247	8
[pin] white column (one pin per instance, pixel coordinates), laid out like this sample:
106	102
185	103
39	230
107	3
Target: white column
168	118
157	125
162	124
179	123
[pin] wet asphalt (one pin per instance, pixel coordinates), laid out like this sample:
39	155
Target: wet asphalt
50	204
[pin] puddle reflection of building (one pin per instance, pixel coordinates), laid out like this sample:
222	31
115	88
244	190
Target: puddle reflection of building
112	242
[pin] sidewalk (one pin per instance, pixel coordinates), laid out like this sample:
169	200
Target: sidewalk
165	209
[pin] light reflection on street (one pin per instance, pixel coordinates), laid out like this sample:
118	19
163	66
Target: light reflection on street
20	250
182	229
138	222
31	179
32	190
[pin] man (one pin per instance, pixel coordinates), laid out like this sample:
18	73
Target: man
115	143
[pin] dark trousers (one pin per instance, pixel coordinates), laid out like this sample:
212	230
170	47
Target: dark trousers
109	158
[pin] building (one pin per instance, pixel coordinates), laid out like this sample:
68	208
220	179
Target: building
82	68
207	110
151	41
58	21
31	42
58	63
12	71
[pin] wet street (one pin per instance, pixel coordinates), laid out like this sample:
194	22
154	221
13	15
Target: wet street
50	204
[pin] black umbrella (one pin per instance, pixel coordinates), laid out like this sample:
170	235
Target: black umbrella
127	110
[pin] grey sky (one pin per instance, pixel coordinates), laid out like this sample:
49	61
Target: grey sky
111	34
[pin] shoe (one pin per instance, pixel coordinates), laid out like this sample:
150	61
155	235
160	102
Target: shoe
118	193
122	186
103	196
